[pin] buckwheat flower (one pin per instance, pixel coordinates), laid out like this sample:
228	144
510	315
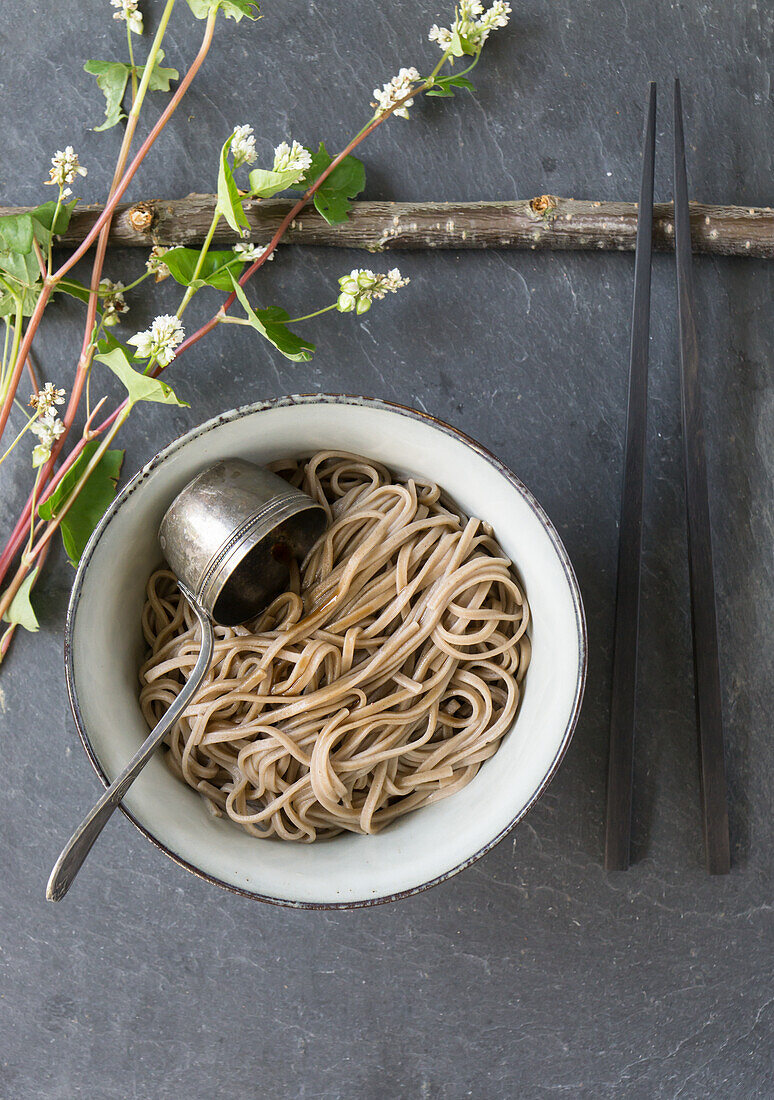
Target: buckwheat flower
289	157
441	35
361	287
113	302
251	252
465	25
473	24
243	145
160	340
155	264
128	13
389	283
48	429
65	168
493	19
392	93
44	400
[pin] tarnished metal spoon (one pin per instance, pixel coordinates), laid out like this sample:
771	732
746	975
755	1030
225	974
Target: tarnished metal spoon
229	536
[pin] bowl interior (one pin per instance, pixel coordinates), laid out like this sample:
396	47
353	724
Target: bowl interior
105	649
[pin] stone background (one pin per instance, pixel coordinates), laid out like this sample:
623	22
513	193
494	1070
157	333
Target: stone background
532	974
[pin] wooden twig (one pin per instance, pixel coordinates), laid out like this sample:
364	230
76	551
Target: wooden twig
545	222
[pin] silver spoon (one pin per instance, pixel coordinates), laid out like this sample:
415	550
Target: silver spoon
229	536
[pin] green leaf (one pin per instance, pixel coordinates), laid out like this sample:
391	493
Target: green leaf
109	342
214	271
160	77
73	288
264	184
111	81
444	84
460	45
93	499
16	233
112	78
140	387
20	611
345	182
23	267
43	221
229	203
9	292
271	323
232	9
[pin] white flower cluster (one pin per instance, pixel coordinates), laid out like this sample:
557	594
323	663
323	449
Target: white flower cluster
64	169
362	287
160	340
243	146
251	252
494	18
48	427
441	35
113	301
392	93
128	13
291	157
44	400
473	23
155	264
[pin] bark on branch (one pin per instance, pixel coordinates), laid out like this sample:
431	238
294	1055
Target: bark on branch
545	222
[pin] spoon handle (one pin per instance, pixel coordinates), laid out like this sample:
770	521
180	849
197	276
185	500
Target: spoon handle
80	843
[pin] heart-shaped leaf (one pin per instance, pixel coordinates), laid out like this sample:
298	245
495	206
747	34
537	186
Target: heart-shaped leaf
21	266
20	611
89	506
16	233
271	323
460	45
345	182
73	288
111	81
229	203
43	221
11	293
112	77
215	269
160	76
139	387
444	84
264	184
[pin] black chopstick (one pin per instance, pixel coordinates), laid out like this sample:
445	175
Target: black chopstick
709	713
622	714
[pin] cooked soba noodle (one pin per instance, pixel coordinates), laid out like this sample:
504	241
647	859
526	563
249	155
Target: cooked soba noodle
379	682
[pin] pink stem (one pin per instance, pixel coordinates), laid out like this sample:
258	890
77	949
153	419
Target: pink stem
105	216
101	227
24	350
215	319
142	151
19	533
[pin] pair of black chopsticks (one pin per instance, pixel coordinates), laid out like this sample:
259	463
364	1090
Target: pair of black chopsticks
704	626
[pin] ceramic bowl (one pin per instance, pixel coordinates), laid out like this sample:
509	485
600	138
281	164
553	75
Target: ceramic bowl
104	649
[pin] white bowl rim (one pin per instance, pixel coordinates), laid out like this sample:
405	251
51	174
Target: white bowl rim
338	399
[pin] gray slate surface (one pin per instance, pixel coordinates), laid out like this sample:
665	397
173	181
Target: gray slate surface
532	974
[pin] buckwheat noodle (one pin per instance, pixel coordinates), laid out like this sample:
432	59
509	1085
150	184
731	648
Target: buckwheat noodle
379	682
